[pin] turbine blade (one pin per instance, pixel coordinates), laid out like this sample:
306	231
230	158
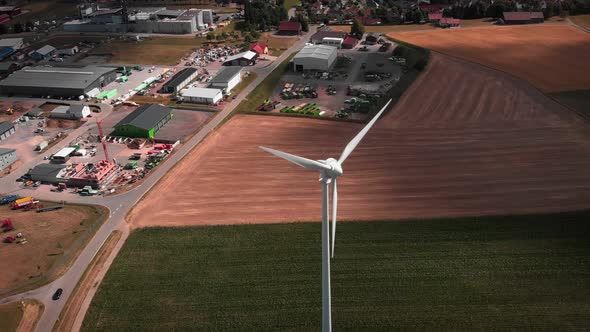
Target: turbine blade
334	211
356	140
300	161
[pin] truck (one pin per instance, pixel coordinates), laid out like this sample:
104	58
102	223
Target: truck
25	202
131	165
88	191
8	199
42	146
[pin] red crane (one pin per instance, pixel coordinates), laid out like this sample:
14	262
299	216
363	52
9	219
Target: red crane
103	140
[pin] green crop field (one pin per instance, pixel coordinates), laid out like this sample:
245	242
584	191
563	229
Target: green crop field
496	273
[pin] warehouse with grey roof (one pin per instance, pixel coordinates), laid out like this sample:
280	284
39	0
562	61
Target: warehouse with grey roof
144	121
56	81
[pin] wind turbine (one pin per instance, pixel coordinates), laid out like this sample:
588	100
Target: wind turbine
329	170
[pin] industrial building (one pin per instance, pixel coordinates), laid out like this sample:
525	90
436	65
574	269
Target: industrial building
48	173
14	43
180	80
318	37
7	68
44	53
315	57
68	50
7	157
56	81
247	58
72	112
202	95
143	122
6	129
143	19
227	79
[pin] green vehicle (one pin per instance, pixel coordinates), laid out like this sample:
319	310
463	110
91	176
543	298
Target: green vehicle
131	165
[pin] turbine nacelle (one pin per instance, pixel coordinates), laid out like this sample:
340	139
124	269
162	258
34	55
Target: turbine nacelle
335	167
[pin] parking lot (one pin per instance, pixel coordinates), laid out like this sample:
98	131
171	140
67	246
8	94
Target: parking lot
370	71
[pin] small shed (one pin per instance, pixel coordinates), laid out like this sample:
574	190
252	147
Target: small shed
35	112
259	48
43	53
72	112
6	129
68	50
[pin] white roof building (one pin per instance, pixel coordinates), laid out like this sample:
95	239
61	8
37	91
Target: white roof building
14	43
227	79
315	57
202	95
72	112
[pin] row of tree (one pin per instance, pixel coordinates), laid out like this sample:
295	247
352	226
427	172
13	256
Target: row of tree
16	28
262	15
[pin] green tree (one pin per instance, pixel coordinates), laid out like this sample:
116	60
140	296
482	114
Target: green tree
17	28
29	26
248	37
357	30
255	35
210	36
224	35
219	37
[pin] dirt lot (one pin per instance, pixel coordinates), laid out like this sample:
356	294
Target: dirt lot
483	143
54	238
19	107
581	20
537	53
277	44
162	51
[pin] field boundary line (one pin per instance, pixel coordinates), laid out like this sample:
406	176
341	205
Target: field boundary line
579	114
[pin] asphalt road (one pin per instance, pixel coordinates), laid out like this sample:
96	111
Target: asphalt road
119	205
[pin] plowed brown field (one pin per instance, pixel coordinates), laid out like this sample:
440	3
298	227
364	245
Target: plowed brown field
552	57
464	140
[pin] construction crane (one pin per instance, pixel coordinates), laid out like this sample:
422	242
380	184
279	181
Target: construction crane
103	140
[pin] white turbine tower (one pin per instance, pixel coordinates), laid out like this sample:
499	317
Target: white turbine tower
329	170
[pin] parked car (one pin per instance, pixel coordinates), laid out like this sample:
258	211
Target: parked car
57	294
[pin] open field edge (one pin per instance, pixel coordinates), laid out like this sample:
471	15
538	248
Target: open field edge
60	267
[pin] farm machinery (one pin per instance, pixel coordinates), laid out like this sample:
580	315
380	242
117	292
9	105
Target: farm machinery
7	225
8	199
24	203
292	91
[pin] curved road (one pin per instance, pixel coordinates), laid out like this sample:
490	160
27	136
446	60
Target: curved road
119	205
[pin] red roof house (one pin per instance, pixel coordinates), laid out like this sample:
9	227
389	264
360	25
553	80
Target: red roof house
371	21
450	22
259	47
435	17
350	42
289	28
523	17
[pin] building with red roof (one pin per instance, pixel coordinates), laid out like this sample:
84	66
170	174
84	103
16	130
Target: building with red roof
370	21
350	42
289	28
435	17
523	17
449	22
259	47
